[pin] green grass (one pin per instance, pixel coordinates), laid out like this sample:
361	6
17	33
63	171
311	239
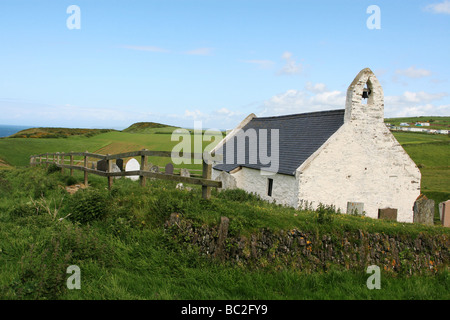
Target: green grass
431	153
435	122
124	253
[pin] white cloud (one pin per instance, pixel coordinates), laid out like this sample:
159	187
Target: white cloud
412	72
441	7
146	48
200	51
415	104
408	97
315	88
291	67
299	101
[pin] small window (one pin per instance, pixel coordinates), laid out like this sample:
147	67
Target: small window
269	187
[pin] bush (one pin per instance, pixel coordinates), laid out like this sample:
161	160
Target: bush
325	213
52	168
87	205
69	180
23	210
238	195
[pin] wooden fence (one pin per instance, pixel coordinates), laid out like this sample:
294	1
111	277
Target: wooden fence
60	159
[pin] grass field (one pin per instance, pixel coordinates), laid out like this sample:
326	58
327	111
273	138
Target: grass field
124	253
429	152
437	123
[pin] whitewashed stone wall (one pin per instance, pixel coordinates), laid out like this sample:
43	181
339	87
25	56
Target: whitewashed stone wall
362	161
284	189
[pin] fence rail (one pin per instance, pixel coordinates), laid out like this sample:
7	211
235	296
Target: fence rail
59	159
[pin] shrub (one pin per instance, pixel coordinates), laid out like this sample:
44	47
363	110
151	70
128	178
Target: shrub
325	213
24	209
87	205
42	274
52	168
69	180
238	195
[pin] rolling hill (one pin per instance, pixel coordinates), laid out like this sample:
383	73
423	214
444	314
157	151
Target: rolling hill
149	127
57	132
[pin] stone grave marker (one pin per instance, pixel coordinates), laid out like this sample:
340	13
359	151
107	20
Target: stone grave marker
119	163
228	181
356	208
133	165
446	214
424	211
116	168
102	165
185	173
169	168
387	214
154	169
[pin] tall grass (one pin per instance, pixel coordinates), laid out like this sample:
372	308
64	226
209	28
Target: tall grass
124	252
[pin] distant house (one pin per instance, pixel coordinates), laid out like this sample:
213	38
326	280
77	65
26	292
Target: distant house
331	157
404	124
422	124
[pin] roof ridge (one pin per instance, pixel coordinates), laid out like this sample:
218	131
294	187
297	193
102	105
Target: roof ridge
298	115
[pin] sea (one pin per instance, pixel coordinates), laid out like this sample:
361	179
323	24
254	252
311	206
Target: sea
7	130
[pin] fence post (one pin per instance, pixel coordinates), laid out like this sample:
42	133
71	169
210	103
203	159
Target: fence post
85	172
62	162
54	158
46	161
71	163
32	161
207	169
143	166
109	170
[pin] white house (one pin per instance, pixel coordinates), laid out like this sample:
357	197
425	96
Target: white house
329	157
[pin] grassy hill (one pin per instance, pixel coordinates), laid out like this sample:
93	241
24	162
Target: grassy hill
118	240
57	132
149	128
429	152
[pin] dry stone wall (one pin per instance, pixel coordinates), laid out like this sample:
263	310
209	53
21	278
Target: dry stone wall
309	251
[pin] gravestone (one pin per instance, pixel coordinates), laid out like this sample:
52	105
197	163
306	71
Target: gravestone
133	165
154	169
387	214
102	165
424	211
228	181
115	168
446	214
148	166
185	173
169	168
356	208
119	163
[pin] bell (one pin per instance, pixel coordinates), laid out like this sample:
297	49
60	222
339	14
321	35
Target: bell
366	93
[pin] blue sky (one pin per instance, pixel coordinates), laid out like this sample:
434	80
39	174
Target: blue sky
215	61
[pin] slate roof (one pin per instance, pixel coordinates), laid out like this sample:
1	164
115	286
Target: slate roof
300	135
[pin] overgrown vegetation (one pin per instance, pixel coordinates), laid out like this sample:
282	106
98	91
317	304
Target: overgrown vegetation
117	239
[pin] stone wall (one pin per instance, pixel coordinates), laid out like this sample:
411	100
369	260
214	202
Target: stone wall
309	251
